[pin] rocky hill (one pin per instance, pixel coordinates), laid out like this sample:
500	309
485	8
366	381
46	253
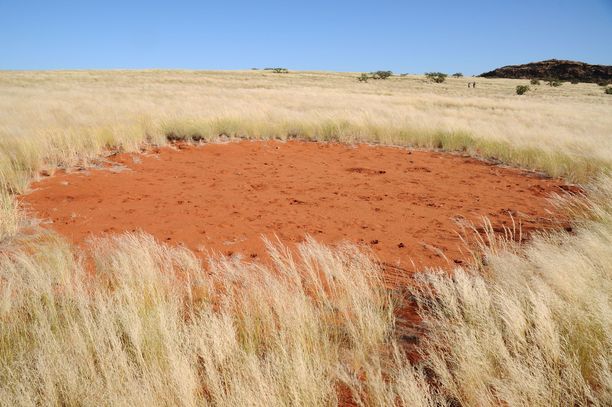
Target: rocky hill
555	69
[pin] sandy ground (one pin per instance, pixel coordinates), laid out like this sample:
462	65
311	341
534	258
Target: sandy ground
222	198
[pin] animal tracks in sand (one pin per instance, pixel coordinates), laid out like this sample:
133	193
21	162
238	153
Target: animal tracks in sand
404	205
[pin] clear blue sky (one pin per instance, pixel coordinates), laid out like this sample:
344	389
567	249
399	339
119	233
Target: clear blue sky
403	36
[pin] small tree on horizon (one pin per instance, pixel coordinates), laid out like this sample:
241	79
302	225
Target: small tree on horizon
278	70
457	75
381	74
363	77
437	77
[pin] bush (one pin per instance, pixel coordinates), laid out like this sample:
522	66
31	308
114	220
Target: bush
437	77
381	74
277	70
574	82
608	91
535	81
554	83
457	75
522	89
363	77
604	83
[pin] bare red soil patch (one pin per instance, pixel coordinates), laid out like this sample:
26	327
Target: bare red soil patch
221	198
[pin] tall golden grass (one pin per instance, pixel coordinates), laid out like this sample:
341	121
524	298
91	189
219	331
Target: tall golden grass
533	327
61	118
148	324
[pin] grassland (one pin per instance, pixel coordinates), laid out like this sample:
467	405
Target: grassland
528	325
62	117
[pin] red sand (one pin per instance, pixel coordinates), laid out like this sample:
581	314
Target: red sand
221	198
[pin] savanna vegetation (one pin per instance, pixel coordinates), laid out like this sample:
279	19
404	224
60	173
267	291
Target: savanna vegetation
132	321
436	77
522	89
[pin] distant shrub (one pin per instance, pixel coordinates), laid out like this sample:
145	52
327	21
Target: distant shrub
535	81
457	75
437	77
604	83
574	82
608	91
522	89
363	77
280	70
554	83
381	74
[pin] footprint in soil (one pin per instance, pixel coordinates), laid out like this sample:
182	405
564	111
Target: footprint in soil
366	171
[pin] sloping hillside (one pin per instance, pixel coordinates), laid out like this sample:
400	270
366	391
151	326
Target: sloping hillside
555	69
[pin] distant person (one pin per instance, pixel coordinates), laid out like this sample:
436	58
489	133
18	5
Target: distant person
469	84
474	84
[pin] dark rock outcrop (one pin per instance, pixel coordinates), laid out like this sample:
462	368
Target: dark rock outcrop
572	71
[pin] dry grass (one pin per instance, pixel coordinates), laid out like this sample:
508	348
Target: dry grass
59	118
153	327
11	217
535	327
147	324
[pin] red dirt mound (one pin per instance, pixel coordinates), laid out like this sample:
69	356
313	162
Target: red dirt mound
221	198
